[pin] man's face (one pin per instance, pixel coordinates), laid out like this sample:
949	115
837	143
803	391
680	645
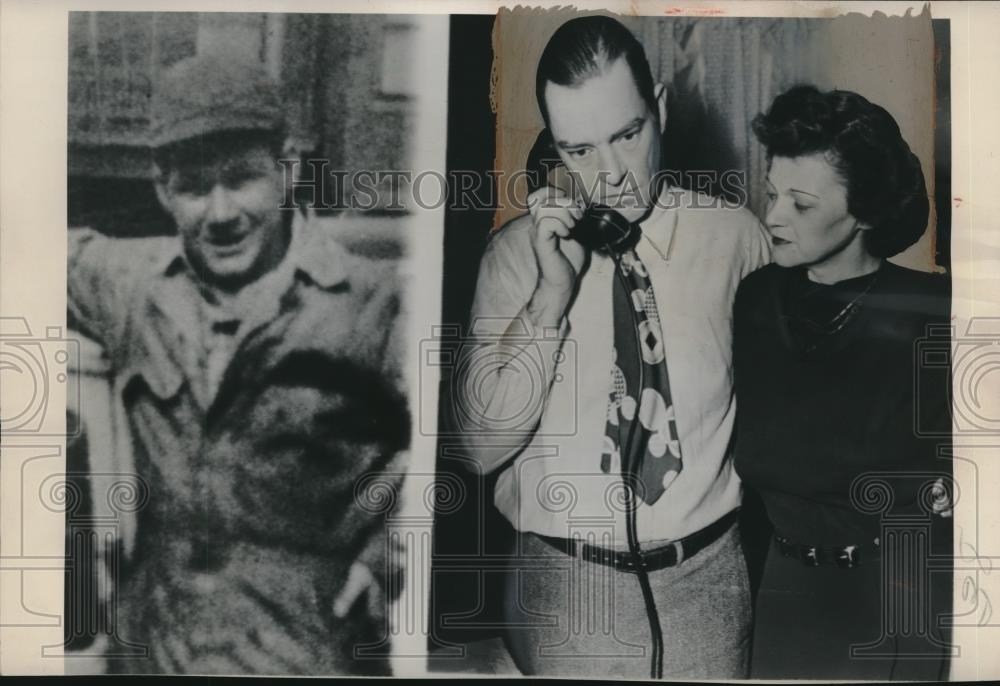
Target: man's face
224	196
608	137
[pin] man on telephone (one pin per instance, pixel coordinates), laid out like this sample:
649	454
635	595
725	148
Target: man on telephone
619	480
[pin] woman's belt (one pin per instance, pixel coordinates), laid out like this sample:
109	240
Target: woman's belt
669	555
844	556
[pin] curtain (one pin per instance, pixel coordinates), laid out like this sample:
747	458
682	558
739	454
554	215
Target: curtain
720	73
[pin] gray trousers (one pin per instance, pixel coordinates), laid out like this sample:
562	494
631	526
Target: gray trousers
568	617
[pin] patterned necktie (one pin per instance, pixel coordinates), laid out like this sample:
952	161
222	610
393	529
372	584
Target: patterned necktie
654	457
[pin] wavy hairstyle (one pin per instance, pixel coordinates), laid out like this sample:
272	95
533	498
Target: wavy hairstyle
885	184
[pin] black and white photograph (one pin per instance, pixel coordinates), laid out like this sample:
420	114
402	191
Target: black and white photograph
620	340
242	341
686	391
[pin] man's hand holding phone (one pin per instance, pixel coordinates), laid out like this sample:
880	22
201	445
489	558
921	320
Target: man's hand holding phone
554	213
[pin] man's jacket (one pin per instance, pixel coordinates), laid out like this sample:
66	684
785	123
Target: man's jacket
262	494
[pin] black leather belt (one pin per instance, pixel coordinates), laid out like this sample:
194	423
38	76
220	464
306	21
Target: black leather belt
669	555
844	556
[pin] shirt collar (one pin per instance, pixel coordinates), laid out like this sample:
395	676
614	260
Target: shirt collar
309	253
659	227
661	224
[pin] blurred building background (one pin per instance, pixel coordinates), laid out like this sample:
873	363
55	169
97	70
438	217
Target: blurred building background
346	80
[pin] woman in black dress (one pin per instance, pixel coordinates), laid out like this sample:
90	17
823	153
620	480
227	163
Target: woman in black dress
841	432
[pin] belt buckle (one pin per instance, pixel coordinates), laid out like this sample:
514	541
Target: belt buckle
679	547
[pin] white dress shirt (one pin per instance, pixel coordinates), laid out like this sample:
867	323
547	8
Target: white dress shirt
537	403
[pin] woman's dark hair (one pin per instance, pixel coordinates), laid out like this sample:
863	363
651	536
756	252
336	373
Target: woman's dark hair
885	184
580	49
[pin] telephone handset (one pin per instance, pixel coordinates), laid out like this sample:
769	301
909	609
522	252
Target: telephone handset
601	228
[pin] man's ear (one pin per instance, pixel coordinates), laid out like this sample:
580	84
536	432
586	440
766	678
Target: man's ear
660	95
160	185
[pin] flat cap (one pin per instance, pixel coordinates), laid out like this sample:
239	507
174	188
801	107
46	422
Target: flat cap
210	93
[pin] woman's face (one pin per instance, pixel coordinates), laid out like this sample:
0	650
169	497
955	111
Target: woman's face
807	215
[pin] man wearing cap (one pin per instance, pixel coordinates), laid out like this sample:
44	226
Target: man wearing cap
256	361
